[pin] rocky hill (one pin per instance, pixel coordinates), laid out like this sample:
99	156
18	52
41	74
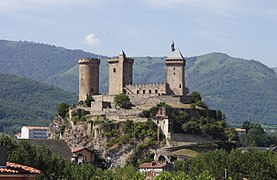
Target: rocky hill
275	69
27	102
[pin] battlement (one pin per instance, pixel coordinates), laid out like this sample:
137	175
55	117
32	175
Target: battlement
151	88
145	85
89	61
175	61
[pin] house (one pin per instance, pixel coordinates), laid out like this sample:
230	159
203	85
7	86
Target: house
154	168
10	171
82	155
34	132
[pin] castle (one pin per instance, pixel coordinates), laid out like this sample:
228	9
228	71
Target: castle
121	81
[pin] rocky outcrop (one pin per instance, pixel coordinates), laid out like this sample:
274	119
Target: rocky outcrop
84	134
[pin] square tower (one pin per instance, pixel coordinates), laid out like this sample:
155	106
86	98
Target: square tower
175	72
120	73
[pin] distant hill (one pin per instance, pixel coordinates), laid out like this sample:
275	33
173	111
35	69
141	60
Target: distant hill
275	69
26	102
242	89
37	61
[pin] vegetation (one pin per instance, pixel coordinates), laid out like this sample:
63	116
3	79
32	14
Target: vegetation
141	135
88	100
256	136
122	100
26	102
63	109
196	99
54	167
251	165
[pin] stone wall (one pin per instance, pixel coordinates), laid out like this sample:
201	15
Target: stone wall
149	89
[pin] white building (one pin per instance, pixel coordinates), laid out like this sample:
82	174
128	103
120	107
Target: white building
34	132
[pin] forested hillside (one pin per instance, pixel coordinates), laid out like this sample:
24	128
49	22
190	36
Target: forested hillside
242	89
275	69
26	102
37	61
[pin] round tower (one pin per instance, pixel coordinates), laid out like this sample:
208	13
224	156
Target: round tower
88	77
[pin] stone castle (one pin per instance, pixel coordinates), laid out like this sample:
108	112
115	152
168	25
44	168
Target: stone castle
121	81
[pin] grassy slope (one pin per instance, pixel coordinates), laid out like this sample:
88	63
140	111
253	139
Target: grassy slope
26	102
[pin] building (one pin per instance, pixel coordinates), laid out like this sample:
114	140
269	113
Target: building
240	131
34	132
88	77
121	81
154	168
82	155
10	171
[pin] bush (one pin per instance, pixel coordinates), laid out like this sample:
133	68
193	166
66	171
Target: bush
122	100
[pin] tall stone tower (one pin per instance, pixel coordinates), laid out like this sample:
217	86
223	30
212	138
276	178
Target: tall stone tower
175	72
88	77
120	73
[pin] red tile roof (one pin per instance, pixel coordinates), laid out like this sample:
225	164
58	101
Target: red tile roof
77	149
14	168
152	165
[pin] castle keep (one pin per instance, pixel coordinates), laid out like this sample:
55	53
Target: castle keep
121	81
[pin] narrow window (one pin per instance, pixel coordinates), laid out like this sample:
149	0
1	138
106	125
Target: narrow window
143	92
180	86
156	91
114	70
149	91
173	68
137	91
174	73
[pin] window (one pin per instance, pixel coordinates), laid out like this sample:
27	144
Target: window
174	73
180	86
156	91
137	91
114	70
149	91
143	92
173	68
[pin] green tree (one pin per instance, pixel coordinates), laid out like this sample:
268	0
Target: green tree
88	100
63	109
122	100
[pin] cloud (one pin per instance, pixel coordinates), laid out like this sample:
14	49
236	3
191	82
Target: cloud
220	6
92	40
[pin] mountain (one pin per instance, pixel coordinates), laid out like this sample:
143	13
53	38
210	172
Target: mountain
38	61
242	89
27	102
275	69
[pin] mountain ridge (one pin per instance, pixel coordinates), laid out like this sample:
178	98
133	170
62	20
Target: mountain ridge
239	87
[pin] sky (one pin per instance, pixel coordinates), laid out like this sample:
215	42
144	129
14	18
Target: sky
240	28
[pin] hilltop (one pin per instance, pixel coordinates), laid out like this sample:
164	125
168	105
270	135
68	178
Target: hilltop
242	89
27	102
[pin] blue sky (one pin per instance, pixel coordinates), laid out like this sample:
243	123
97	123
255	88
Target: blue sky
241	28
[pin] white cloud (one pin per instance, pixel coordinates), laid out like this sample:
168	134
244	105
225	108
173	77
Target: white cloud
92	40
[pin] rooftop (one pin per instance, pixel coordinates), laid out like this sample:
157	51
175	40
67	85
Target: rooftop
35	127
152	165
13	168
175	55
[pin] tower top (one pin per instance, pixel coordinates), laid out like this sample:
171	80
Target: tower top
89	61
172	46
122	53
